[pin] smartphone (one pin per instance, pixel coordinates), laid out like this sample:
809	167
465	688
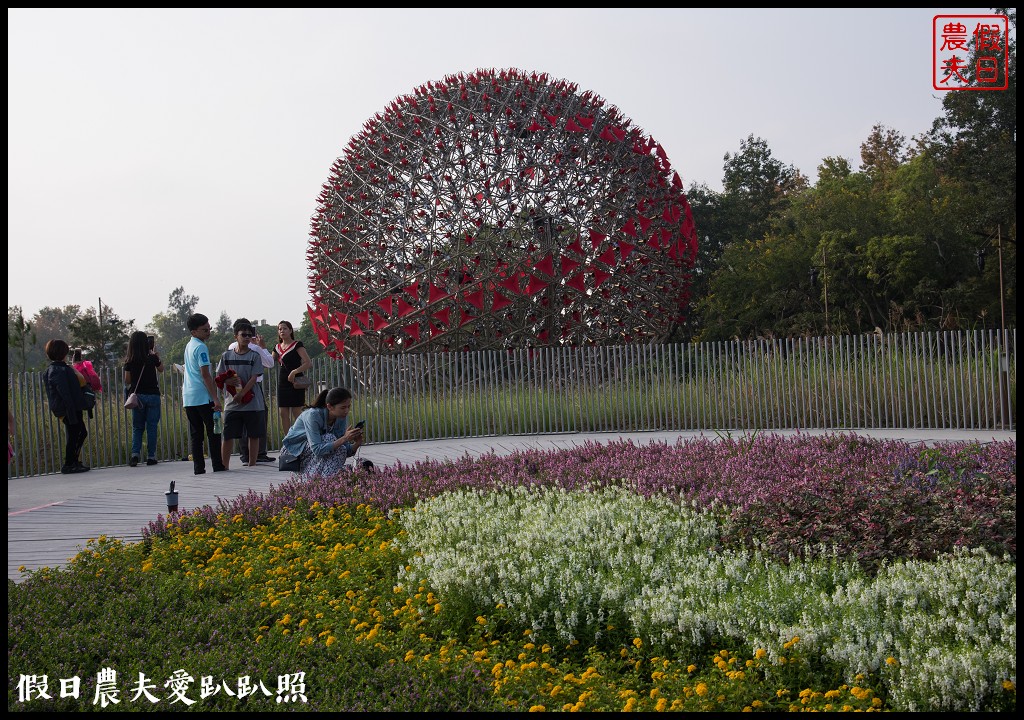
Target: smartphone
152	341
359	425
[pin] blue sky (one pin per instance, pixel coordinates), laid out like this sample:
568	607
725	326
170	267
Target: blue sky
186	147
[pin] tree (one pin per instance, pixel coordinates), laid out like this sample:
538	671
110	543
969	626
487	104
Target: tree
172	325
882	153
21	337
104	339
54	322
182	305
757	189
223	323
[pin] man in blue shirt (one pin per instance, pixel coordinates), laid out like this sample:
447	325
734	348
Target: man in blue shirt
199	395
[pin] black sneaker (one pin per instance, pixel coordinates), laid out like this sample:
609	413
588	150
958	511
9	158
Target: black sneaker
265	459
152	461
83	468
133	461
73	469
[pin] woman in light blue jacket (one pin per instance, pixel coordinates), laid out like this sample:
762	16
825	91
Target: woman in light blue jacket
320	436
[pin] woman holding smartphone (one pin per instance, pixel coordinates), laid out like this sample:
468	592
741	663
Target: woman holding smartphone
141	365
320	437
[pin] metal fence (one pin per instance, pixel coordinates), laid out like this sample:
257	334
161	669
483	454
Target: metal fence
944	380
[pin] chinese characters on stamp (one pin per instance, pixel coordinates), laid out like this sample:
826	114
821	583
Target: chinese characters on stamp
969	52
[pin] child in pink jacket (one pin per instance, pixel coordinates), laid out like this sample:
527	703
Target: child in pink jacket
85	367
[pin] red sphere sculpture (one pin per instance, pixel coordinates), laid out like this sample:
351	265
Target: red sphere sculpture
498	209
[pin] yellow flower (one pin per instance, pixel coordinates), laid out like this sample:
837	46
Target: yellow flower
637	642
891	661
701	689
537	708
860	693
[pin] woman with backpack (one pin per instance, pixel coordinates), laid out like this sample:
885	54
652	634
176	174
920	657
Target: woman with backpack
64	393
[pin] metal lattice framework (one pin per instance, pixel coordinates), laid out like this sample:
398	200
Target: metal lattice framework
498	209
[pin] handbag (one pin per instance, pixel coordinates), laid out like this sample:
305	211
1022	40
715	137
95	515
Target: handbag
302	382
133	401
287	463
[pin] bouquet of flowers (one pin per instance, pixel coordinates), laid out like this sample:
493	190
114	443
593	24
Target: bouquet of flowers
222	383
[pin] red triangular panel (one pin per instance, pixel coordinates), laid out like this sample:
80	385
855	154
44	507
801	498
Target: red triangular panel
475	299
577	282
546	265
436	294
499	301
443	316
511	284
535	285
